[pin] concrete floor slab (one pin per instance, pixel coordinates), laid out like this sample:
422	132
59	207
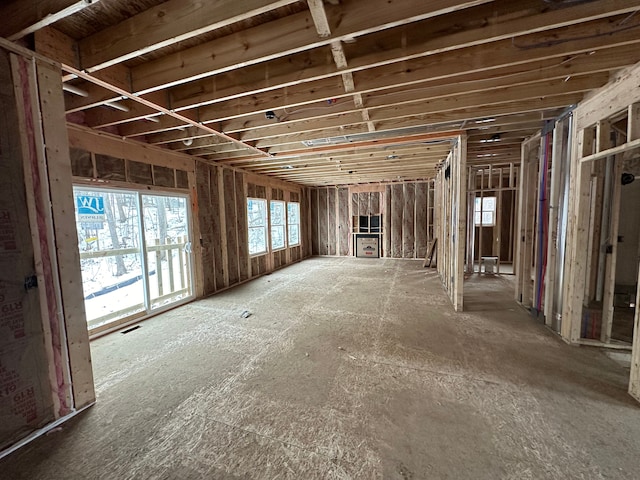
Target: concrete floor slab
346	369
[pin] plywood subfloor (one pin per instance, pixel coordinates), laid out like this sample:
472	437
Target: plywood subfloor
346	369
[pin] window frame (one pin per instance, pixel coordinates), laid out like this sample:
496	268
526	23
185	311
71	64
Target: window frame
482	210
283	225
265	227
297	224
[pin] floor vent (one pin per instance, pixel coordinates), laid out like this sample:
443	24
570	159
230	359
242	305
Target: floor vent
130	329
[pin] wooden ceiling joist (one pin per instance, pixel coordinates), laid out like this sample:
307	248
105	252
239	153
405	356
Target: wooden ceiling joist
165	24
281	38
20	17
530	30
187	121
327	93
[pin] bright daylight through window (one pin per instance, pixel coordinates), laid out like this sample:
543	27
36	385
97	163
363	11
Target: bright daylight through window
257	215
277	224
485	211
293	221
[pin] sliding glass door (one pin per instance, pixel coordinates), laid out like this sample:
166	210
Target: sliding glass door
134	253
167	246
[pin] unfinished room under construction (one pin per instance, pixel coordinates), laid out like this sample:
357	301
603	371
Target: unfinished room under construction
319	239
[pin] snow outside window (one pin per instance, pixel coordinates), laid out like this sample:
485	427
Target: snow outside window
277	224
293	222
485	211
257	215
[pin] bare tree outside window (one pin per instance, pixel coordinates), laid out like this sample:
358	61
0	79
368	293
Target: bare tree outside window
278	221
257	218
293	223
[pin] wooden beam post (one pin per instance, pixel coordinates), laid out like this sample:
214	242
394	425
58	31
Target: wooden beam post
578	225
559	133
634	378
460	224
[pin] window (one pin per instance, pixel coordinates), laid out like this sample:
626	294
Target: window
277	224
293	222
257	215
485	211
134	253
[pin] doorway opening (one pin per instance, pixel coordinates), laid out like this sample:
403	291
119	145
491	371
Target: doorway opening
135	253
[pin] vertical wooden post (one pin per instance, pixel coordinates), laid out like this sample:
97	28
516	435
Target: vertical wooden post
408	214
537	220
303	238
461	224
68	255
579	225
633	133
480	229
197	260
241	226
634	378
386	220
181	254
526	216
471	227
603	142
559	134
223	225
611	255
172	286
497	233
159	268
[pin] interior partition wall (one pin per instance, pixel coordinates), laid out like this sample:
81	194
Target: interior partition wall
451	221
542	220
45	361
399	216
491	216
599	296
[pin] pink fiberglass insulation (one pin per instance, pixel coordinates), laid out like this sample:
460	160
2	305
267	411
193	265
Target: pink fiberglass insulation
52	307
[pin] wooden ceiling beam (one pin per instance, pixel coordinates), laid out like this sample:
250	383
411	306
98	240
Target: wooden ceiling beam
344	178
498	96
390	169
21	17
458	85
308	160
206	153
484	35
413	101
160	109
166	122
239	111
55	45
163	25
413	162
563	46
417	151
227	148
104	117
465	116
359	176
515	121
168	137
479	100
502	58
447	117
286	36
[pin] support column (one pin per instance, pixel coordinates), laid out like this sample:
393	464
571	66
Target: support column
579	228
